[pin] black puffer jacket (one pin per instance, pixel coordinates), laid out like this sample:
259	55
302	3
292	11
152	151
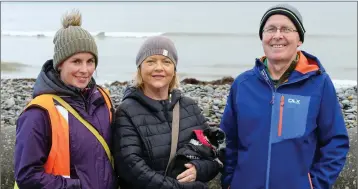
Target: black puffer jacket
142	138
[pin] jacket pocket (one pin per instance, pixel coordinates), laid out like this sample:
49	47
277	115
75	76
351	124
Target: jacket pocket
290	113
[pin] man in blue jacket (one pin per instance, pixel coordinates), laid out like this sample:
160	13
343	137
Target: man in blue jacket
283	121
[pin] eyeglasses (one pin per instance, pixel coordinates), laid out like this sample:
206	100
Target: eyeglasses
284	30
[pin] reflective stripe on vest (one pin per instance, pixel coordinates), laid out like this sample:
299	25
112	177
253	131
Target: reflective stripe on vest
58	160
105	94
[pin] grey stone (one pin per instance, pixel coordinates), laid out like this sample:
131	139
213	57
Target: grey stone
349	121
204	100
9	103
209	89
206	111
340	104
351	117
217	102
345	102
219	115
350	110
350	91
12	121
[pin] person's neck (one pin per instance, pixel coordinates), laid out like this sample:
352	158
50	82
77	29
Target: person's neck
278	68
156	94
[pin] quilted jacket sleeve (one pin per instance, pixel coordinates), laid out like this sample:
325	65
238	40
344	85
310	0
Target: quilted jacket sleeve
129	164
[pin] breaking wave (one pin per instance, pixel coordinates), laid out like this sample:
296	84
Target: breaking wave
96	34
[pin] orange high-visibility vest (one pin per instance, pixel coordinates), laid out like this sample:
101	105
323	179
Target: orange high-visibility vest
58	161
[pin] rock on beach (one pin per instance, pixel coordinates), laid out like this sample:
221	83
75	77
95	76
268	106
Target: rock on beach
210	96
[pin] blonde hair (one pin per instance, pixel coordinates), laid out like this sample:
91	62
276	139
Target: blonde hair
138	81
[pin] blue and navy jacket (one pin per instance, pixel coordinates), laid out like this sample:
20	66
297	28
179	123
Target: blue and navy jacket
289	137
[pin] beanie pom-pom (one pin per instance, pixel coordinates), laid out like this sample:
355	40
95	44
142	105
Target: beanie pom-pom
72	18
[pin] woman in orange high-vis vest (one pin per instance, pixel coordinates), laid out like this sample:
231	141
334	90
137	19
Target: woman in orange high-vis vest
63	135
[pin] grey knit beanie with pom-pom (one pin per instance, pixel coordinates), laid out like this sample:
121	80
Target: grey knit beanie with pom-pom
72	39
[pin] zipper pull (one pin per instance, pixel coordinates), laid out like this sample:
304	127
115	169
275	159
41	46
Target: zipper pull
282	103
272	99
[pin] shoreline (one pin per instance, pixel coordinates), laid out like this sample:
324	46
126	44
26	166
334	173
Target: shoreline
227	80
223	81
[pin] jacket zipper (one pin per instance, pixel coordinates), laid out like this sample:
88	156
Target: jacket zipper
310	180
166	111
264	74
84	100
282	103
165	104
273	90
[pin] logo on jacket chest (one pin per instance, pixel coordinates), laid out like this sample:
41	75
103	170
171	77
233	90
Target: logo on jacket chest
293	101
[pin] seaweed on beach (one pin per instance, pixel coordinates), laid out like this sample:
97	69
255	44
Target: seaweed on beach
193	81
118	83
223	81
12	66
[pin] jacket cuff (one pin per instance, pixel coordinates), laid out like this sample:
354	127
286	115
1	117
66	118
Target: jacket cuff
73	183
199	175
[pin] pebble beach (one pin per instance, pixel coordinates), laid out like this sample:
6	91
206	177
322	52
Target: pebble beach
210	96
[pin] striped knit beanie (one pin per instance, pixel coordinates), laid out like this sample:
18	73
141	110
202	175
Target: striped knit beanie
72	39
291	12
